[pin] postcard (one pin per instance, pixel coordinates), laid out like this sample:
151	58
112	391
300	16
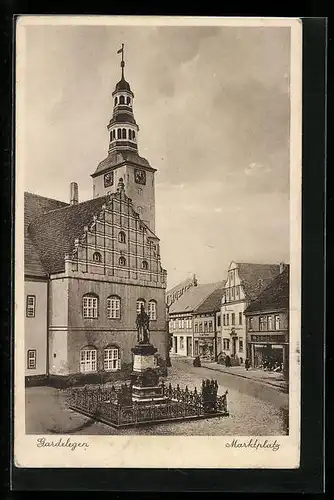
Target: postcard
157	242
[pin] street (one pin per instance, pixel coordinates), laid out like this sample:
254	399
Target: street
254	409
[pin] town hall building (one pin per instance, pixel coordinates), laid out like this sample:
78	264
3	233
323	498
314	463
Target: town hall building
90	266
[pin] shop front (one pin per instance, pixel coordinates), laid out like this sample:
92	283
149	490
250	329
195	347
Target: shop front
269	352
204	346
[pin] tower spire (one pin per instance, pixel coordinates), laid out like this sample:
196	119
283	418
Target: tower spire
121	51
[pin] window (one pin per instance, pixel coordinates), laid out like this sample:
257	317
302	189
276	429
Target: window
240	318
133	134
224	320
121	99
233	319
263	323
31	359
205	326
210	326
130	134
31	306
89	306
237	294
201	327
119	133
114	134
241	345
182	323
114	307
233	293
219	320
181	342
250	323
270	323
226	344
140	210
128	101
190	323
140	302
277	323
111	359
144	264
122	261
121	237
152	310
110	136
171	325
88	360
227	319
116	100
97	257
124	133
196	327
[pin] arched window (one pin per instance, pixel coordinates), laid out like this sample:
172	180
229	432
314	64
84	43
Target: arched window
128	101
116	100
114	307
90	306
152	310
133	134
145	264
121	237
124	133
140	302
122	261
88	359
119	133
114	134
121	99
110	136
111	359
97	257
130	134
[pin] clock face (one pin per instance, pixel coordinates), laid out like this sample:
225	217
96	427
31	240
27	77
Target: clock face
140	176
108	179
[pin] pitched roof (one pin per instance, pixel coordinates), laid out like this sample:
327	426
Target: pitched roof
34	206
256	277
275	296
54	232
117	158
193	297
213	302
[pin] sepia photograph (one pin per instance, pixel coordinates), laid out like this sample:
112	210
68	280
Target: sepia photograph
158	181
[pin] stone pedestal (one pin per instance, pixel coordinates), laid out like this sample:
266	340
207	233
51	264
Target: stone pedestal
144	376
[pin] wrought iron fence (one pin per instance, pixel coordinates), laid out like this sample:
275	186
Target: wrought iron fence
114	405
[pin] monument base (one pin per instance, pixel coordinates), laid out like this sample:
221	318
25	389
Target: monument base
145	377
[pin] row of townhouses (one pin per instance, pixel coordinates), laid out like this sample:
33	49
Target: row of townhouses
244	316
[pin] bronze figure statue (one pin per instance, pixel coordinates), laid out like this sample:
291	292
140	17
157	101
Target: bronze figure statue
143	324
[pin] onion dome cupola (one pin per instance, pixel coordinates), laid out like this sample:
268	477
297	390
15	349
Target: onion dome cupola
122	127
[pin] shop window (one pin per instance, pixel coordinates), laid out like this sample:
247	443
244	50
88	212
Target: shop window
114	307
88	360
31	359
111	359
31	306
89	306
152	310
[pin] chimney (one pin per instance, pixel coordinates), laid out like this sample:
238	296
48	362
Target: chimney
281	267
74	196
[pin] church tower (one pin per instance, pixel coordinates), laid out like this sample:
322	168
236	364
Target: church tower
123	160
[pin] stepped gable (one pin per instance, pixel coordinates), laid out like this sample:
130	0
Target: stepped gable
212	302
193	298
256	277
275	296
34	206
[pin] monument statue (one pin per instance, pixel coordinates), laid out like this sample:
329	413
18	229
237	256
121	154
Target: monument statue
143	324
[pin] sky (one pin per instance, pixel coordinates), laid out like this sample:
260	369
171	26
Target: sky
212	105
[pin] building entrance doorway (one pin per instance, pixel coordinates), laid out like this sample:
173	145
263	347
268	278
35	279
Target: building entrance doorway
234	346
189	346
175	344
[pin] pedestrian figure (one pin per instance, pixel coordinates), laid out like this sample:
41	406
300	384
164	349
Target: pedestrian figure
227	361
197	362
247	364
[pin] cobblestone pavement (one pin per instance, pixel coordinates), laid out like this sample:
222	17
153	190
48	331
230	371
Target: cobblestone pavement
249	413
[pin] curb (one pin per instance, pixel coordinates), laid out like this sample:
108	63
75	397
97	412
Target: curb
284	390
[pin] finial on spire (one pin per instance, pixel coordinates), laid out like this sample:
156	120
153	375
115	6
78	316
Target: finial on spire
121	51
